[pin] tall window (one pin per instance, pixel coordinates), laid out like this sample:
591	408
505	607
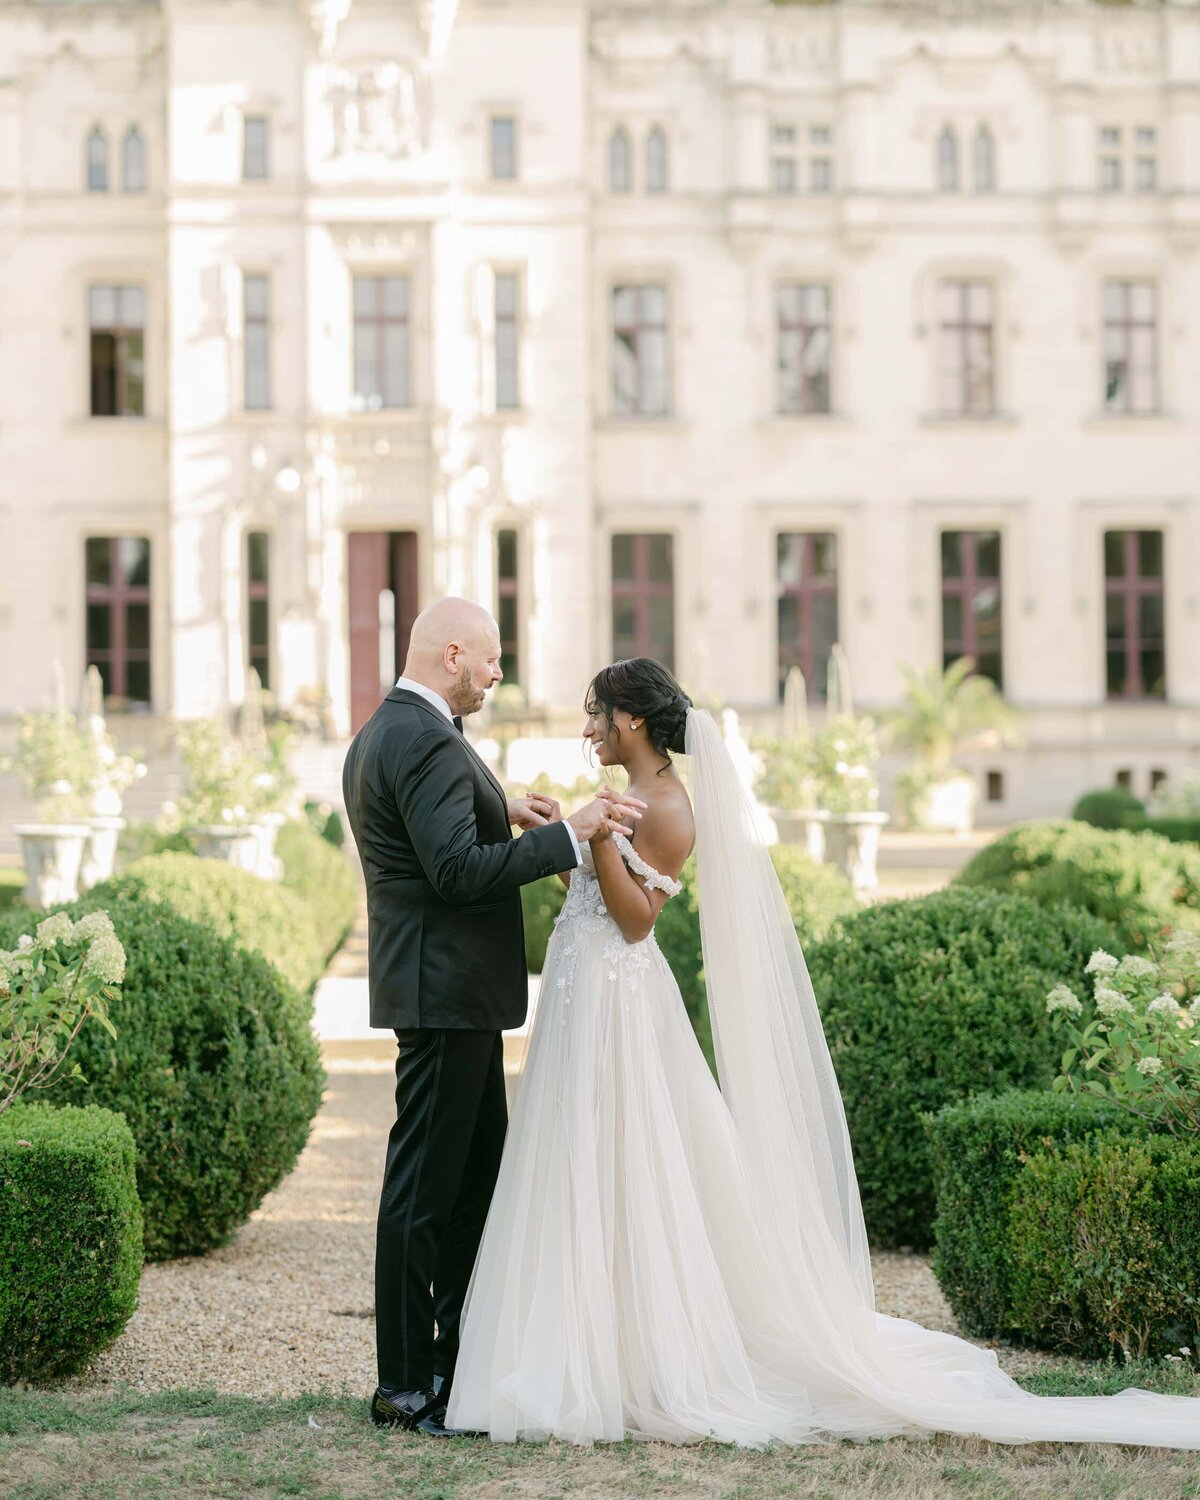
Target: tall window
1135	622
1145	159
382	342
656	160
640	351
133	161
983	160
256	148
117	643
803	344
256	342
971	600
820	159
783	158
620	167
947	160
965	349
1109	173
807	607
643	597
258	604
504	147
507	311
97	161
1130	347
117	315
508	604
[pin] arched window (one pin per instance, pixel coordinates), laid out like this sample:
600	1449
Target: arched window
947	160
620	178
133	161
97	161
984	160
656	160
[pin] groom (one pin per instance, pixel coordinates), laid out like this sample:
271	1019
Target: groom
446	958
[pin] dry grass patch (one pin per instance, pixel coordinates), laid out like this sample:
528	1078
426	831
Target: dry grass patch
182	1445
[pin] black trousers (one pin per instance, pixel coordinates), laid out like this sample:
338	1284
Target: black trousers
443	1156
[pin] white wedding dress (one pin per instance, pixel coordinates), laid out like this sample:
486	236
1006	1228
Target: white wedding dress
667	1259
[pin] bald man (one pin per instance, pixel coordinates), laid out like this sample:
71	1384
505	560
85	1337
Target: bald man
446	960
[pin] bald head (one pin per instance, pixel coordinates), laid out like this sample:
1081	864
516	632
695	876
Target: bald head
454	648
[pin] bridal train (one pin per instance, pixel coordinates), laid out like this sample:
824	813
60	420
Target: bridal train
668	1259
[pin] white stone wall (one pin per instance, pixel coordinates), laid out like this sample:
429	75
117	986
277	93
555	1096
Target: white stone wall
405	188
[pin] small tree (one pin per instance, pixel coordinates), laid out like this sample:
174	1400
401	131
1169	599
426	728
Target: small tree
945	711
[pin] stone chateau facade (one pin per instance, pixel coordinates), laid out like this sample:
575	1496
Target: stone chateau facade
717	331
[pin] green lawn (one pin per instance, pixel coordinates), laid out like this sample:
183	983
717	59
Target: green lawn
194	1444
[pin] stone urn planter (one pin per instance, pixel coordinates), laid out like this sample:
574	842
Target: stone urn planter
238	844
53	854
852	844
946	806
100	852
805	826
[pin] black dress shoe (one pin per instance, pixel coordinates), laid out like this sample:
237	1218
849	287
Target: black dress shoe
407	1409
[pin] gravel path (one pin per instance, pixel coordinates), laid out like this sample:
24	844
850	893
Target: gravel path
287	1306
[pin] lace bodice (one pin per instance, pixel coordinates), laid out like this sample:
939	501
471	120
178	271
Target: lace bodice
584	911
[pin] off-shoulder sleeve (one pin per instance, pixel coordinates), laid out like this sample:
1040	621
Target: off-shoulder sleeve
638	865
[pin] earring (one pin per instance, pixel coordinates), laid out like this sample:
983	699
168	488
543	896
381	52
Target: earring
635	723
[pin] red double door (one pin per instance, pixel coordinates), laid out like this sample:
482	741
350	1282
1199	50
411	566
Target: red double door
383	585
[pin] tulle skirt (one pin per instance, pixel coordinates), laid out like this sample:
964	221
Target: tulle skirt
626	1286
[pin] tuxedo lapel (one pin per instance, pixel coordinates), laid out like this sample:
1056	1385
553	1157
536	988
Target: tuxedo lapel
402	695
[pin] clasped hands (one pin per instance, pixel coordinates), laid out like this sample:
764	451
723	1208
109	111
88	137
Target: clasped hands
609	812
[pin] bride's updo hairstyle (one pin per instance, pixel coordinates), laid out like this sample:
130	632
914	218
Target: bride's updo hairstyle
644	688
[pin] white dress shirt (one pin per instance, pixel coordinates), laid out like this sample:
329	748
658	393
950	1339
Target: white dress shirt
443	707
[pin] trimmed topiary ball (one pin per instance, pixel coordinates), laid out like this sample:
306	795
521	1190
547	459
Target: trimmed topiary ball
257	914
320	875
70	1238
927	1001
1141	883
215	1068
1112	807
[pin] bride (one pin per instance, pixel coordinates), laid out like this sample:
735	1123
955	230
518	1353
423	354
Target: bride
668	1259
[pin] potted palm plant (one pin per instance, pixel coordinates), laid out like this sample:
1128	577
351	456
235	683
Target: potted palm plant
944	712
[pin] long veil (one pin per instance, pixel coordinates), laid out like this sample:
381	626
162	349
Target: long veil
862	1372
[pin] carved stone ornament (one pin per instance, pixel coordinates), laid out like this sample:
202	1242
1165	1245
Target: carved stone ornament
375	111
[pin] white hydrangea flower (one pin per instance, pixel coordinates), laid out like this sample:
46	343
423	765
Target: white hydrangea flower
24	943
1101	963
105	959
1182	942
55	929
1061	998
1149	1066
1194	1008
1111	1002
95	924
1163	1005
1134	966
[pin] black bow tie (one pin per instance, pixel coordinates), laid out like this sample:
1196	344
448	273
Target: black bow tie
458	723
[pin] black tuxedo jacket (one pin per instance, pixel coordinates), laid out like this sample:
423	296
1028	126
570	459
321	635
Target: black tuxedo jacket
445	940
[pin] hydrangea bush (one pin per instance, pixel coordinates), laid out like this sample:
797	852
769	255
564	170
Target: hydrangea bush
50	983
1139	1040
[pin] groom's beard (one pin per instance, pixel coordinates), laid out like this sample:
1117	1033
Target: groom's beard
467	698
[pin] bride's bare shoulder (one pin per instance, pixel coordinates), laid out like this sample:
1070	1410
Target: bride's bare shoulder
666	832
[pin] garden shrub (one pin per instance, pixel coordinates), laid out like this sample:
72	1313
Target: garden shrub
70	1238
1104	1237
214	1066
12	884
929	1000
257	914
323	877
1180	830
138	839
1111	807
817	895
977	1148
541	902
1137	881
325	821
